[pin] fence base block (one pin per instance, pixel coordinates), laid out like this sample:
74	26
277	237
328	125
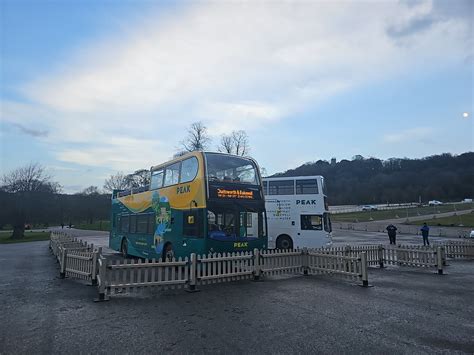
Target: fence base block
62	275
192	289
365	284
102	298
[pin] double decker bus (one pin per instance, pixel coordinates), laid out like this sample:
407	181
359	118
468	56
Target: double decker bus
297	212
200	202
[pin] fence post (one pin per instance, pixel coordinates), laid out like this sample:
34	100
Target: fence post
95	255
439	262
62	263
305	260
364	271
102	279
443	253
380	256
193	274
258	267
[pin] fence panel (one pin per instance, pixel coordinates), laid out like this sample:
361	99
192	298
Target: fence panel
353	268
280	262
224	267
129	276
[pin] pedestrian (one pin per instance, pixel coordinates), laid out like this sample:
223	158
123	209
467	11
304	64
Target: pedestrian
425	231
62	225
392	233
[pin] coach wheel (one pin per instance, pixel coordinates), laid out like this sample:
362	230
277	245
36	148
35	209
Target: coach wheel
167	254
124	248
284	242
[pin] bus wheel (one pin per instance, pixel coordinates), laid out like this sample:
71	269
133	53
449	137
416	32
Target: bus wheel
284	242
167	254
124	248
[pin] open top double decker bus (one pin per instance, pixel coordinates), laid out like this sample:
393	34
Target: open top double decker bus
200	202
297	212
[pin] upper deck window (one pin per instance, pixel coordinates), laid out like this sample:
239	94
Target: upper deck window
281	187
307	186
172	174
156	179
227	168
189	169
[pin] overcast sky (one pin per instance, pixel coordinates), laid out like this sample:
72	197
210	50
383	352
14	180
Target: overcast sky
92	87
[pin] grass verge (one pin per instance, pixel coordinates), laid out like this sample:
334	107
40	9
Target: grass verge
467	220
366	216
5	237
96	226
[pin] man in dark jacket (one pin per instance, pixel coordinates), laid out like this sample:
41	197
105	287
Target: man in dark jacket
392	233
425	231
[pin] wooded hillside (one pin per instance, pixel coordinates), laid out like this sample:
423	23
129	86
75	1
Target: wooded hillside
369	180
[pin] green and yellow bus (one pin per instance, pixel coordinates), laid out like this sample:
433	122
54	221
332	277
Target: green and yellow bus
200	202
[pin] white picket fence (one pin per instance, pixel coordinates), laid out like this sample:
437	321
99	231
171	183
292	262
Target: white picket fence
77	259
459	249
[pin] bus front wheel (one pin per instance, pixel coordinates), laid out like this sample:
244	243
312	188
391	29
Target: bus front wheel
284	242
124	248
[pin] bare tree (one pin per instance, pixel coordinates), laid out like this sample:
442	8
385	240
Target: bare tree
139	178
31	186
91	190
226	144
235	143
241	142
197	138
117	181
29	178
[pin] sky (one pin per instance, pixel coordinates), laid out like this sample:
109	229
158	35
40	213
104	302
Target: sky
92	87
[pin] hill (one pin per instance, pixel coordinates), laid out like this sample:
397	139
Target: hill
362	180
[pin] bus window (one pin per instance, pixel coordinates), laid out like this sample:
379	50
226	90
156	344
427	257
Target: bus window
156	179
133	223
230	169
311	222
124	224
306	187
151	223
142	223
281	187
189	169
327	223
172	174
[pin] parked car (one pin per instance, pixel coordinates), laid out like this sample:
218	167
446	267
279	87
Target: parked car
435	203
472	234
369	208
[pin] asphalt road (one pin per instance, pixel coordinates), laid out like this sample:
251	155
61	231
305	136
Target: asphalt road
407	311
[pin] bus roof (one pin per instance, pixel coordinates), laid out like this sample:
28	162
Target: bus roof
195	153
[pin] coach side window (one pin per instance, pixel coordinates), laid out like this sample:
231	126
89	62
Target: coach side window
156	179
189	169
311	222
281	187
172	174
309	186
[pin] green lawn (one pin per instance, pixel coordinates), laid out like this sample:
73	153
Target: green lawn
29	237
97	226
365	216
467	220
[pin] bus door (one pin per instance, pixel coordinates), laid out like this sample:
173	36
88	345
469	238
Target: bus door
311	233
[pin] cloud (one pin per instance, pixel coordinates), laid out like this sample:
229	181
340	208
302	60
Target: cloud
411	134
127	100
30	131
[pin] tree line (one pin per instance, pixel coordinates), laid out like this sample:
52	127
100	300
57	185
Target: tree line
444	177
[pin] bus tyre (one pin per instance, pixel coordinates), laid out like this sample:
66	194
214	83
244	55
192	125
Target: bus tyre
124	248
284	242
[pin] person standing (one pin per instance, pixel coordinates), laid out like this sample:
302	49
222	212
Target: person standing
425	231
392	233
